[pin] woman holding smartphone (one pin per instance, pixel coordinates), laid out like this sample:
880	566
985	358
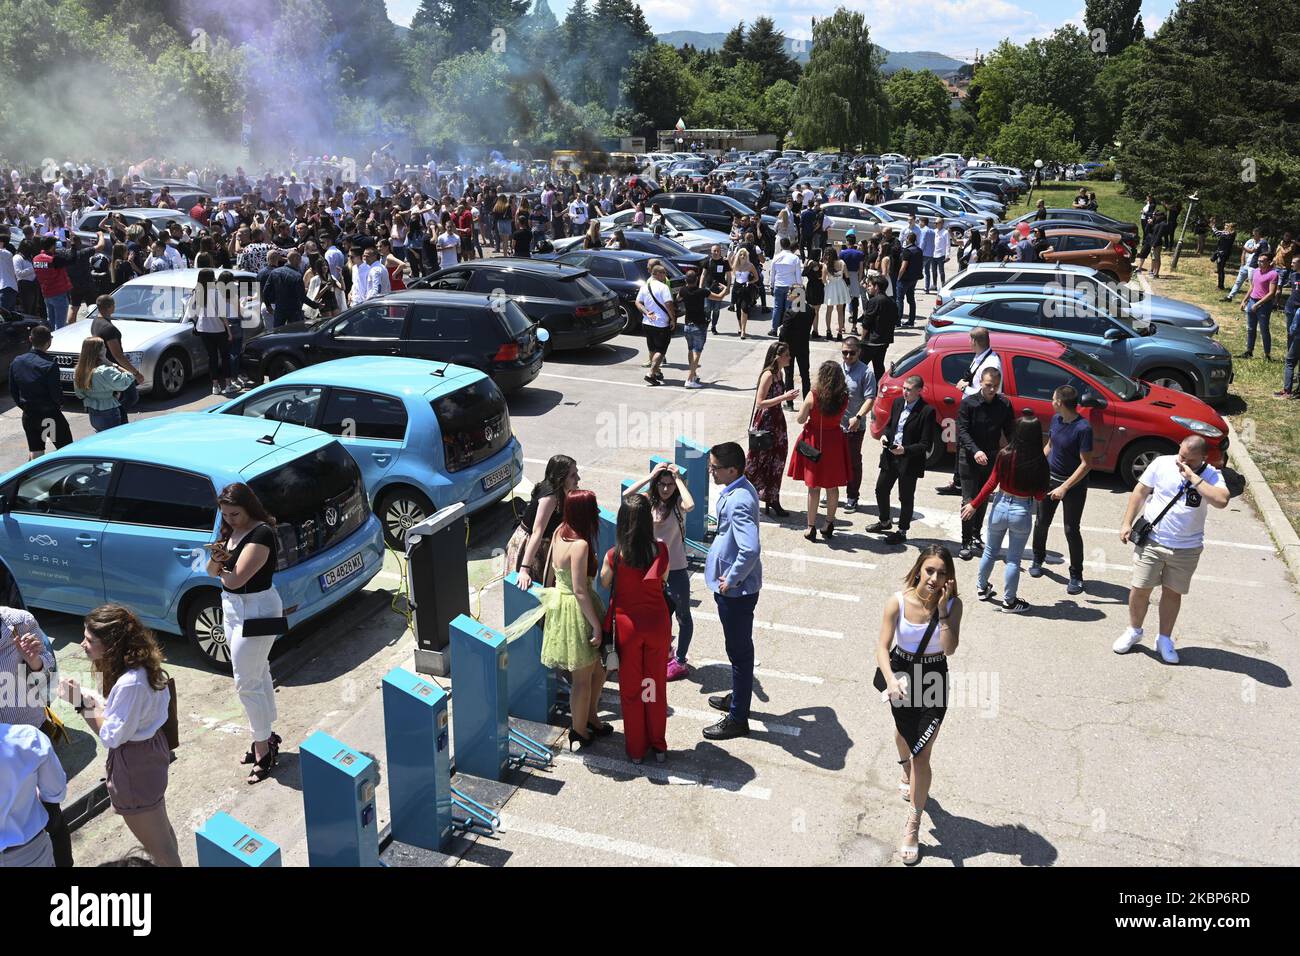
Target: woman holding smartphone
918	633
244	559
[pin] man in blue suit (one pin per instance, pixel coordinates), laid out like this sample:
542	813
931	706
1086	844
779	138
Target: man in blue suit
734	574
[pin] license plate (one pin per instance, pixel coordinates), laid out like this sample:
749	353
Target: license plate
65	374
490	481
342	572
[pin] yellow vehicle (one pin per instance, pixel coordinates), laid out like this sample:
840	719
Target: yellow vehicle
566	161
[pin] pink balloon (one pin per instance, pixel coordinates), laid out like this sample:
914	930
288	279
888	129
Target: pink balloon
1023	228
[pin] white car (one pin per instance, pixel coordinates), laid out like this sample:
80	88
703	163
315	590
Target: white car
985	203
864	219
684	228
156	336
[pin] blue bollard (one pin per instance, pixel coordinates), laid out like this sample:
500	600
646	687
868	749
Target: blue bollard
693	459
531	687
224	841
604	541
479	664
338	800
418	742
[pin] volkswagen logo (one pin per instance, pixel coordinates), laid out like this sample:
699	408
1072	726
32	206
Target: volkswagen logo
331	516
489	433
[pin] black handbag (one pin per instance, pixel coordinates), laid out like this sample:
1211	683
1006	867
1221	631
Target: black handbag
760	439
808	451
1142	528
879	682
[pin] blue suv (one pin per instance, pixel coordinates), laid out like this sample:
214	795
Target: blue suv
425	434
122	516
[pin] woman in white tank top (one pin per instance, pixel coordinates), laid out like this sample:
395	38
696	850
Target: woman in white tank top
919	631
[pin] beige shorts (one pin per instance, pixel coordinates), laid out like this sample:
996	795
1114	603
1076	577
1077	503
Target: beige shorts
1168	567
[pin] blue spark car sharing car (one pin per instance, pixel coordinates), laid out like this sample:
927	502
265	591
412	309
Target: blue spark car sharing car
123	516
425	435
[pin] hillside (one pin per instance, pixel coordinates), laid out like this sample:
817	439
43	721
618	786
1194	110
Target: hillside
919	60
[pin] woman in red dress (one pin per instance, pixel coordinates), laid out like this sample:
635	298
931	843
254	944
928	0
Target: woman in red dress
637	567
820	417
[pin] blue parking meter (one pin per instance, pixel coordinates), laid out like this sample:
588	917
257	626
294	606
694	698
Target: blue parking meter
418	741
693	459
531	687
479	715
225	842
338	800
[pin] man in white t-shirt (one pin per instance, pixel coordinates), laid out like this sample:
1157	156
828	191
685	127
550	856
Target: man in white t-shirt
659	316
448	246
578	215
787	271
1173	494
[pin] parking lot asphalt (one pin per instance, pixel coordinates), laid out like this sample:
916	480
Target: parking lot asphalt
1054	752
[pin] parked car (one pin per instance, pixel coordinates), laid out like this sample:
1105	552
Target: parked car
159	219
576	310
1128	242
979	202
473	330
1129	302
122	516
864	219
1082	246
951	203
714	212
424	436
1132	422
624	272
642	240
1170	357
1086	217
682	229
157	338
902	208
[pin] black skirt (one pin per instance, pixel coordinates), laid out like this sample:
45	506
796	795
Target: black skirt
919	713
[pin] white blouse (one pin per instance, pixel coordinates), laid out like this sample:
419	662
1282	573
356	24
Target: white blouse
134	710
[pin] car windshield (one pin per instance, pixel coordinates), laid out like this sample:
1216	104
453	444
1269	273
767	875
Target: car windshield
150	303
679	220
1120	384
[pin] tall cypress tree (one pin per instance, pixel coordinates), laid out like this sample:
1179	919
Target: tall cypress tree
765	46
733	47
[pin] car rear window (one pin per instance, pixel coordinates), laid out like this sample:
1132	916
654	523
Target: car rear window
583	286
474	422
516	321
317	501
908	361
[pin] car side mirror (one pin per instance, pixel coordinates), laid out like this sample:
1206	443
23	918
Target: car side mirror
1090	399
1113	334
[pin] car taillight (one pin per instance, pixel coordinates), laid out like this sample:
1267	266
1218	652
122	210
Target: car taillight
507	353
939	323
1120	249
588	311
937	302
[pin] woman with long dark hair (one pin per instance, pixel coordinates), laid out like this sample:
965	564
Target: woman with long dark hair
130	720
529	546
1020	476
920	630
821	457
670	500
636	570
204	310
763	466
574	616
243	559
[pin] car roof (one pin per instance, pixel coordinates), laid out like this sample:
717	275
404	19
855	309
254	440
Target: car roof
996	291
181	278
521	265
481	300
184	439
958	340
1047	268
615	253
388	374
147	212
1081	231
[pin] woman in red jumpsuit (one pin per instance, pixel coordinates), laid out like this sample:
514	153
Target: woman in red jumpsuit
637	568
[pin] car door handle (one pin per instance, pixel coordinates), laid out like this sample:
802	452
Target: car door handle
948	401
382	457
86	540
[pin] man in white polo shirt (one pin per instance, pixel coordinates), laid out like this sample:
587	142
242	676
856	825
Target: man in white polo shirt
1172	495
655	300
787	270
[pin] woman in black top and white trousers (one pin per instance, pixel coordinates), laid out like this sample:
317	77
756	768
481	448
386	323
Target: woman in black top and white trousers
244	559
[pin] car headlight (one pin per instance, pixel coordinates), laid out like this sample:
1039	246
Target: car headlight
1212	356
135	358
1195	425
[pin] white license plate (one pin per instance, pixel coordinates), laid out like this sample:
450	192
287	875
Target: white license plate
65	374
341	573
495	478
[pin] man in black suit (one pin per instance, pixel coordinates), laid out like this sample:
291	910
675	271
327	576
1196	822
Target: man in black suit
907	440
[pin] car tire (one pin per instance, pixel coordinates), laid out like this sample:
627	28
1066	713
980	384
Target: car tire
1170	378
280	366
171	374
1135	458
398	509
631	325
203	626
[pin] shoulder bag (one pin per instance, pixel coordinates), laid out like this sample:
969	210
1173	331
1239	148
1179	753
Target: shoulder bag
1142	528
808	451
879	682
760	439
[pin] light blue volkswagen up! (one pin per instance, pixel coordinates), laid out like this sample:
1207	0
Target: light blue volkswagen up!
426	434
122	516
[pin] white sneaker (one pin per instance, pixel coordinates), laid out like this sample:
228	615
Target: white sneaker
216	389
1165	645
1126	640
694	383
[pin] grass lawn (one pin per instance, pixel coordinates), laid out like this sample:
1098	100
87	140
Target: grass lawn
1269	427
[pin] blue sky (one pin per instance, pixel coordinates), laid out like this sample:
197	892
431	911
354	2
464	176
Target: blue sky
955	27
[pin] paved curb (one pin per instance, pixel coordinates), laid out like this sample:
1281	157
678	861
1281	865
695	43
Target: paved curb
1284	535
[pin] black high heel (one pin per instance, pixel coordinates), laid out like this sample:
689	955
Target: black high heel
828	531
577	742
812	533
275	742
774	510
602	731
262	768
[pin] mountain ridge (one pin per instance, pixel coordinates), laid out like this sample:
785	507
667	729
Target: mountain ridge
939	63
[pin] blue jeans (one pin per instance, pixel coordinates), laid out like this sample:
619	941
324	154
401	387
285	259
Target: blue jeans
737	617
712	311
780	295
1243	275
905	289
940	271
1292	346
927	271
679	586
8	299
108	418
236	350
56	311
1257	317
1012	518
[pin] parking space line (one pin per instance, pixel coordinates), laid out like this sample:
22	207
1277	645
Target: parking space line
773	626
1208	578
659	772
812	592
597	841
640	385
814	559
761	672
710	716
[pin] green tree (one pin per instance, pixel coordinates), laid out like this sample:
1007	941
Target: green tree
919	99
778	108
840	100
765	46
1036	131
1110	96
657	88
1120	23
730	99
469	25
733	46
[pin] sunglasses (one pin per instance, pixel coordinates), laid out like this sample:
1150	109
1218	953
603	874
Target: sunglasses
849	353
